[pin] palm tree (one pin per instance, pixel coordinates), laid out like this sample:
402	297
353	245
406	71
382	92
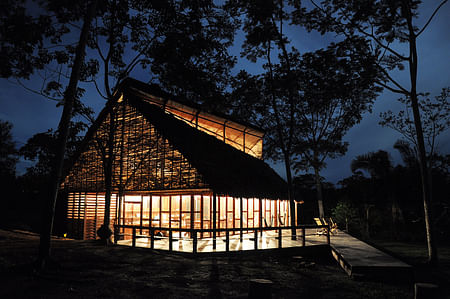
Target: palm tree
378	165
408	154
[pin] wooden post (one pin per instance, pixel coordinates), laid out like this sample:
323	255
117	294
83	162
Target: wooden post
192	212
241	222
328	235
152	238
201	216
214	220
194	241
142	214
116	234
256	239
170	240
280	233
133	240
260	215
227	241
303	236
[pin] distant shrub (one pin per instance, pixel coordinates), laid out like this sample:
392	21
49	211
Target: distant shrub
345	214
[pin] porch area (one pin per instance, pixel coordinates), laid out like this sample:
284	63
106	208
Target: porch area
221	240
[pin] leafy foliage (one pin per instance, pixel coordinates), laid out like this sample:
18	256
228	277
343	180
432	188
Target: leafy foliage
378	164
41	147
345	213
434	116
8	152
336	88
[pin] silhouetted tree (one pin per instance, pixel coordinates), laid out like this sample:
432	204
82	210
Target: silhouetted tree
346	213
8	160
181	45
380	168
358	190
336	88
63	128
385	24
41	150
264	24
22	36
8	152
434	114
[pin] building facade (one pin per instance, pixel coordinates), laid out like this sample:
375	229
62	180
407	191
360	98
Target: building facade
166	163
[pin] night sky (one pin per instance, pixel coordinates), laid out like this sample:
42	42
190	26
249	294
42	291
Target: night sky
30	113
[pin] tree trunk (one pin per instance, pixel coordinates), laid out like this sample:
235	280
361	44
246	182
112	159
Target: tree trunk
394	220
291	198
366	220
63	129
432	250
105	234
319	192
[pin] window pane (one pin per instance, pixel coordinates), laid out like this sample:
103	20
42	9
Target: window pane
197	203
223	206
186	206
175	204
206	208
165	203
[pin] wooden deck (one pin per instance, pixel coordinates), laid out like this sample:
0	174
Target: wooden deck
357	258
268	240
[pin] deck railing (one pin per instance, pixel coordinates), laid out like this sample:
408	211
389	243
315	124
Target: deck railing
194	234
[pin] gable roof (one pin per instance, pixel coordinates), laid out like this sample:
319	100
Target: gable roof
130	84
225	169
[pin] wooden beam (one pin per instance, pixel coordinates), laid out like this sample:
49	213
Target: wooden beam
241	222
214	220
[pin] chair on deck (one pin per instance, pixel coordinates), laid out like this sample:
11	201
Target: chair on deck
320	231
331	224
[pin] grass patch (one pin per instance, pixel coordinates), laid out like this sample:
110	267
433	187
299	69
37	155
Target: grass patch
89	270
416	254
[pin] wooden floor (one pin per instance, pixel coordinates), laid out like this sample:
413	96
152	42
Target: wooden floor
268	240
356	257
359	259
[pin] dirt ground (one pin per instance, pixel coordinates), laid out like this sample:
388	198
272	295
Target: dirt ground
87	269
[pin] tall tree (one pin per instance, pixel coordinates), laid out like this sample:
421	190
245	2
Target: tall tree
180	45
40	148
22	36
379	166
434	114
33	43
8	153
386	24
265	39
63	127
336	88
8	160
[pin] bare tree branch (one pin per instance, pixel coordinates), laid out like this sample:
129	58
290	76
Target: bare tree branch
431	18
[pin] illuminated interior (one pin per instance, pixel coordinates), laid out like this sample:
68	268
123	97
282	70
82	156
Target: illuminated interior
241	137
159	186
190	211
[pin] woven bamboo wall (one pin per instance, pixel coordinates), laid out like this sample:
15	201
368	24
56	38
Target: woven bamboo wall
143	159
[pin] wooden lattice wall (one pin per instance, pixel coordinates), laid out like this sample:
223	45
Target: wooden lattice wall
142	158
85	213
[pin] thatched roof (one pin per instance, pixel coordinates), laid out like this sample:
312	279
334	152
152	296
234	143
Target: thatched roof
225	169
130	84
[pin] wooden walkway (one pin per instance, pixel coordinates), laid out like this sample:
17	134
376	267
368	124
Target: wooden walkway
357	258
360	260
